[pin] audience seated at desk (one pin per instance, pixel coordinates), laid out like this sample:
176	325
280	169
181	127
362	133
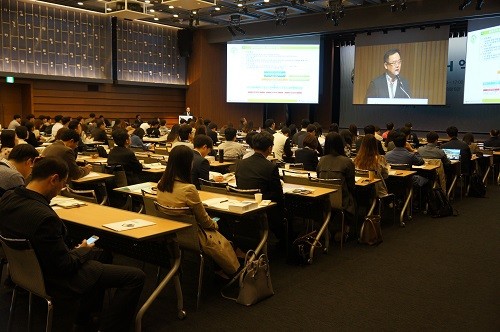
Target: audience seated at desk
173	135
232	149
469	140
270	126
22	134
308	155
368	158
121	155
136	139
57	125
335	165
16	122
404	154
494	140
64	149
99	132
176	190
203	145
74	274
282	148
257	172
185	136
153	130
8	140
370	129
17	167
455	143
431	151
303	131
249	141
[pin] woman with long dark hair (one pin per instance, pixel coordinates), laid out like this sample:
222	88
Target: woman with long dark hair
175	189
368	158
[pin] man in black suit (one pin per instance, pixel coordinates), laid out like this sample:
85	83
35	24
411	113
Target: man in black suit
390	84
72	273
256	172
455	143
303	131
203	145
121	155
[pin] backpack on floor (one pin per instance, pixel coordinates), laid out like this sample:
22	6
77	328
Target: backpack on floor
476	186
438	204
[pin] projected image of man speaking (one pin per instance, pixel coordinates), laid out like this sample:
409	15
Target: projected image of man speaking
390	84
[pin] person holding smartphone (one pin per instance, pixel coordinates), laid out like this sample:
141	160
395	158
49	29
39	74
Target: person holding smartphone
71	275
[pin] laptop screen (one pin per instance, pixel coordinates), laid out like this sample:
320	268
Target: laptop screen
452	154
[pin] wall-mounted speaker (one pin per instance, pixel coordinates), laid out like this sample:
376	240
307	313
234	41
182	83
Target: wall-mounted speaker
185	42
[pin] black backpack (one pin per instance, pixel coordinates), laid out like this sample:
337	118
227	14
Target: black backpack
477	188
438	204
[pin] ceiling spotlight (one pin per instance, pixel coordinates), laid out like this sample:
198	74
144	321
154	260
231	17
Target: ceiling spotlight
464	4
479	4
335	11
280	15
234	21
398	5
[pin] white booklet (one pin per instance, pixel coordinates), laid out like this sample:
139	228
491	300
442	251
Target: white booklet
128	224
66	202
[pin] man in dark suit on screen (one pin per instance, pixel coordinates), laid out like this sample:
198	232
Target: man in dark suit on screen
390	84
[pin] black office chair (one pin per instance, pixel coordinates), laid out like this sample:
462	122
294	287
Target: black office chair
26	273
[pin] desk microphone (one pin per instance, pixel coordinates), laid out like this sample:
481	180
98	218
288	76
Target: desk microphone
401	86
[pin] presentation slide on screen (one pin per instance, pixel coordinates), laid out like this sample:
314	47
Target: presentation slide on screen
482	73
273	73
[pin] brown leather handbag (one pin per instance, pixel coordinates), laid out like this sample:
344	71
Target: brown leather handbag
371	232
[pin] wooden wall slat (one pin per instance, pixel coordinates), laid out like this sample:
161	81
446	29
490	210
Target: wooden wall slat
113	101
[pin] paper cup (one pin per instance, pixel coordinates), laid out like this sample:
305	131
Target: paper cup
258	198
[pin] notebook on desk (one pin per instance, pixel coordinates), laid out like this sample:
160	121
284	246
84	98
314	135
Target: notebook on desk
452	154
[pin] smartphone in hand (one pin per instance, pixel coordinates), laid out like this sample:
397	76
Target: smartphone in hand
215	219
92	239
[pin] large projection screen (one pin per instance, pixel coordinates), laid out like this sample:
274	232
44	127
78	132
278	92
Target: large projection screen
482	73
274	71
423	55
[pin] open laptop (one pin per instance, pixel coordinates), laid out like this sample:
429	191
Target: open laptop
452	154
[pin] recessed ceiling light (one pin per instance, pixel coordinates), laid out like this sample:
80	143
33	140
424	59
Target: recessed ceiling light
240	5
266	0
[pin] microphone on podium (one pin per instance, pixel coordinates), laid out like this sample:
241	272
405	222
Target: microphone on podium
402	86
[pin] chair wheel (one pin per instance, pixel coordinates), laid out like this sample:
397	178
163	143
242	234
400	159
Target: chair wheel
310	261
181	314
402	224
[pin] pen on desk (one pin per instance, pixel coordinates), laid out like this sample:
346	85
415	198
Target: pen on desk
223	201
399	173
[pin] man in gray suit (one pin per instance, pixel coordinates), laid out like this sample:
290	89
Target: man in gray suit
70	273
64	149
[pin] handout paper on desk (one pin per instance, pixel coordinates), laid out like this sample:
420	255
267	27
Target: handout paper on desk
230	204
128	224
419	166
154	166
91	175
66	202
136	188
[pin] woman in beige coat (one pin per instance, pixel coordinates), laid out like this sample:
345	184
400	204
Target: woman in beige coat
175	189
